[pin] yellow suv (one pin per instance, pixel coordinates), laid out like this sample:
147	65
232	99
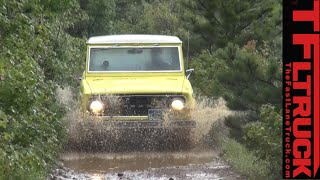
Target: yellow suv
137	81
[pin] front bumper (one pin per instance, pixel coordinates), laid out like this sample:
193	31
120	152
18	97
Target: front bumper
150	124
136	122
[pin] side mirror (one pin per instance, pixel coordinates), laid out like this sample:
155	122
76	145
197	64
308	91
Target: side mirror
80	76
188	72
79	81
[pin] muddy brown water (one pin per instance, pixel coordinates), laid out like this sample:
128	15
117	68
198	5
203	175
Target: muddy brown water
137	161
185	165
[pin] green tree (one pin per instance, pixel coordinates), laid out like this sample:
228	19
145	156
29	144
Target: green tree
221	22
246	77
152	17
207	67
101	14
36	55
97	19
251	79
264	138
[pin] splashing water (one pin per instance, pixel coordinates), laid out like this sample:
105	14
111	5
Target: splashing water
206	113
86	130
196	163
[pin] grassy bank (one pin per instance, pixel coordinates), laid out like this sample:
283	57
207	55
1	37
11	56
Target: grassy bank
243	160
253	150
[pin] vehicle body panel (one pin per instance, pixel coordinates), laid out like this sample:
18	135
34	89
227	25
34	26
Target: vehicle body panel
135	83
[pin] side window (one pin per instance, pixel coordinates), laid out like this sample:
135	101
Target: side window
99	60
174	53
92	64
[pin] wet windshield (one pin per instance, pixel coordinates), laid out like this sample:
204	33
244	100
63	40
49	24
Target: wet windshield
134	59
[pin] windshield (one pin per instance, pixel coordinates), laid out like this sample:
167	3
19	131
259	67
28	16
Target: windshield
134	59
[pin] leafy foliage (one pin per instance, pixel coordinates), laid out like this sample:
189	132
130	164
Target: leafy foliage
151	17
205	78
31	127
241	61
36	55
100	13
247	78
264	138
251	78
221	22
235	48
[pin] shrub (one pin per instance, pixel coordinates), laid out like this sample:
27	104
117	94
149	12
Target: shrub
30	122
35	55
264	138
243	160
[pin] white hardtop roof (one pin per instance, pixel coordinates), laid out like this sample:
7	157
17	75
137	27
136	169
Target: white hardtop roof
137	38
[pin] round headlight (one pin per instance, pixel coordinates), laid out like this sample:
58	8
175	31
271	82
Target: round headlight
177	104
96	106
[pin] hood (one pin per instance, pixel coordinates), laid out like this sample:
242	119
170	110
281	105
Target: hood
135	85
